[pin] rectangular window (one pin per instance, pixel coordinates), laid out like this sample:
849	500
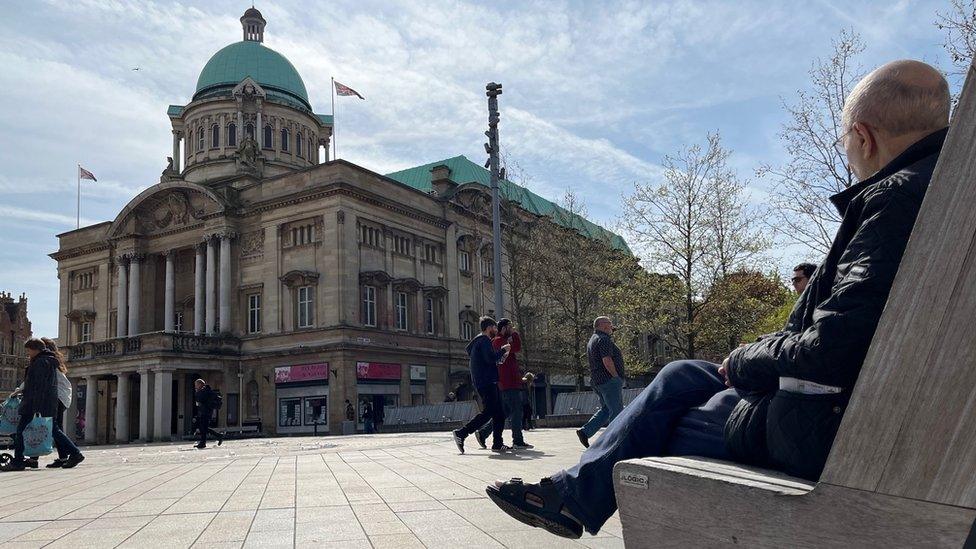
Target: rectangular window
254	313
401	311
369	306
232	406
429	315
466	331
488	265
402	245
464	261
86	332
289	412
316	410
416	400
430	253
305	307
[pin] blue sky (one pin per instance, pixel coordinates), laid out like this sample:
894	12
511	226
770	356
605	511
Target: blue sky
595	92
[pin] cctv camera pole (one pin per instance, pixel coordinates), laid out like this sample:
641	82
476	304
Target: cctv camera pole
493	91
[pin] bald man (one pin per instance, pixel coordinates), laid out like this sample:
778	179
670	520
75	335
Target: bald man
779	401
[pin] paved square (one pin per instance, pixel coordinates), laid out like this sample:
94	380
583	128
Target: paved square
388	490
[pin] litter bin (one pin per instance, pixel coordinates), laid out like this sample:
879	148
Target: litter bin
349	427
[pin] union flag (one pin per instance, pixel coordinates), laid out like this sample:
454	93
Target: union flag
342	89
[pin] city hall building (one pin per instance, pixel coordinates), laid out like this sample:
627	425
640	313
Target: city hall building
290	282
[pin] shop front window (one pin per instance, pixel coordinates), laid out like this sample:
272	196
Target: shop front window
289	412
316	410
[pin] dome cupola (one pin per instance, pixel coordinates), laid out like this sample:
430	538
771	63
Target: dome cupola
253	24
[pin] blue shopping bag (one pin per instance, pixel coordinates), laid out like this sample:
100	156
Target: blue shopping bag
9	416
38	440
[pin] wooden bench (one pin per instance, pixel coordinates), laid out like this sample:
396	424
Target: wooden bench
902	471
246	431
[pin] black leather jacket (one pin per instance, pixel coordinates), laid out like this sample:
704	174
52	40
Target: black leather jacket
832	323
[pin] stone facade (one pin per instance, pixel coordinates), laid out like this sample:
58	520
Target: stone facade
15	329
290	283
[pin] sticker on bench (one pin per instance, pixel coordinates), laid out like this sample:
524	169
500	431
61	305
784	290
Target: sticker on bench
633	480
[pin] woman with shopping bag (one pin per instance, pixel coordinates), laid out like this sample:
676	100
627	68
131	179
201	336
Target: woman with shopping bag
68	453
39	398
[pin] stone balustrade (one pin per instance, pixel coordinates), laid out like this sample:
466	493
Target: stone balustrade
153	342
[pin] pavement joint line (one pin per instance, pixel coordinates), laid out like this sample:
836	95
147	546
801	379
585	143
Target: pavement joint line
217	514
251	525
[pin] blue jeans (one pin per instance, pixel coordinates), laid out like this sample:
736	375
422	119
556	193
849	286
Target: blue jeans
611	396
65	446
512	403
682	412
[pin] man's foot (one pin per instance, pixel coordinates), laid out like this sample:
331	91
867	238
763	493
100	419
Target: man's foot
459	440
14	466
200	446
31	463
72	461
220	440
538	505
481	439
500	449
584	440
56	464
522	446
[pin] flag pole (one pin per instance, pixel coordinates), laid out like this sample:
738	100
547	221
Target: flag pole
78	176
334	148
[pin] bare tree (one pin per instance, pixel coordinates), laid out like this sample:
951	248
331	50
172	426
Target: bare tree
695	226
959	24
816	169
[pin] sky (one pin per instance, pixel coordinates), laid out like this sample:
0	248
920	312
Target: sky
595	92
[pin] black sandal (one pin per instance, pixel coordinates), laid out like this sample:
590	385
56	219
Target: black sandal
538	505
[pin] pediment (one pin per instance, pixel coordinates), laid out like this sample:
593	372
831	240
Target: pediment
249	88
165	207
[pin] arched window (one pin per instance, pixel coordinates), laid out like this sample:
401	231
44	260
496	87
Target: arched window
201	144
214	136
232	134
268	137
298	144
284	139
249	130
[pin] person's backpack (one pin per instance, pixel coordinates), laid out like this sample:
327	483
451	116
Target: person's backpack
218	400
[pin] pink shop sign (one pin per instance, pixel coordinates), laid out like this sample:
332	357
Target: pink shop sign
377	370
304	372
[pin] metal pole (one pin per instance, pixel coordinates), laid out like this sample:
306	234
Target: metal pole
78	176
493	91
334	146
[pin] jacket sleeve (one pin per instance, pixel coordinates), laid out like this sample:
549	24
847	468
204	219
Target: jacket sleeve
832	349
489	355
516	342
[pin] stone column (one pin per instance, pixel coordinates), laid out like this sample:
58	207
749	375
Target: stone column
146	395
91	408
226	134
68	425
260	130
211	283
121	300
135	292
241	134
199	290
450	264
176	150
163	409
421	311
169	307
225	284
122	408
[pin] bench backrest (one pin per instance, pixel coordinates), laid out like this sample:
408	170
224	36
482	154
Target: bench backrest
910	429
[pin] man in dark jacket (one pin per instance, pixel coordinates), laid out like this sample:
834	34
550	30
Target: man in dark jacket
789	389
206	400
39	396
484	360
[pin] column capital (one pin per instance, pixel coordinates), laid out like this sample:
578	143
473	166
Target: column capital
169	254
133	257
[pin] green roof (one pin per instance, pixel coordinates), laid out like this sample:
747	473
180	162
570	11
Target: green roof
324	119
267	67
465	171
174	110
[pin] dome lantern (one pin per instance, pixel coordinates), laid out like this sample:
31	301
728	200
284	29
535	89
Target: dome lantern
253	24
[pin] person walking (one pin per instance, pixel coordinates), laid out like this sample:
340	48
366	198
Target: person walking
39	396
510	385
206	400
483	360
369	425
69	455
527	423
606	378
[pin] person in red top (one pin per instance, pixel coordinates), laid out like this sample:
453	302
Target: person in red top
510	385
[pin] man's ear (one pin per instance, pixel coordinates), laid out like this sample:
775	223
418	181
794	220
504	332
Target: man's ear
864	139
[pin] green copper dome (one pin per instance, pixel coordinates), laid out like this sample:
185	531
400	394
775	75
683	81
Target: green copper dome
267	67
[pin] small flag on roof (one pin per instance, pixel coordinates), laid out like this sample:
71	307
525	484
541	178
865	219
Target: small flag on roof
342	89
85	174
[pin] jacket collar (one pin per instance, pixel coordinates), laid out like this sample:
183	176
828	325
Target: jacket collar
923	148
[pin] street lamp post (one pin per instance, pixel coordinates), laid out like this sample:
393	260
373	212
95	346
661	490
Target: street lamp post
493	90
